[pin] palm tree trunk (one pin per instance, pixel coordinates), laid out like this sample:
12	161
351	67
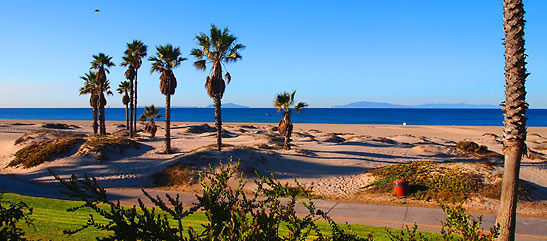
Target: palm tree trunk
127	117
132	109
102	128
168	124
514	118
153	127
218	122
135	114
287	144
95	124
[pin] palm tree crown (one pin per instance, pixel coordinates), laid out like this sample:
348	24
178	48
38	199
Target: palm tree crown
218	47
166	58
90	84
138	50
101	62
285	100
150	112
124	88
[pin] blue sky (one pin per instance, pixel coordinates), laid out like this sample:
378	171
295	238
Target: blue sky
331	52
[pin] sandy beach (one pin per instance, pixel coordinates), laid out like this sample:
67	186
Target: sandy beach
330	157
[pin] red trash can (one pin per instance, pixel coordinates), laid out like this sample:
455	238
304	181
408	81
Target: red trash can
400	187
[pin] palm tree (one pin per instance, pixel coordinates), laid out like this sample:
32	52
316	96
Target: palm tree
514	107
217	48
134	53
124	88
152	113
284	101
91	87
101	63
166	59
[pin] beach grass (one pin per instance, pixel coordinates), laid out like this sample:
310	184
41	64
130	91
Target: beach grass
51	218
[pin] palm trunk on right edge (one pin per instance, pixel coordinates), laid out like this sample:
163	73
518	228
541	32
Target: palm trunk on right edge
218	122
135	114
514	118
168	124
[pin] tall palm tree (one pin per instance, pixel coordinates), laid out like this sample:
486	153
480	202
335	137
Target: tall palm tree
166	59
152	113
124	88
134	54
514	106
130	75
217	48
91	87
284	101
101	63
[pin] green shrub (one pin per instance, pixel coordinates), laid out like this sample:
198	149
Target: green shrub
12	213
467	146
39	152
428	181
458	226
465	226
478	151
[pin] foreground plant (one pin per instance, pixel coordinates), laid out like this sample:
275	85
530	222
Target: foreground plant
284	101
219	47
13	214
166	59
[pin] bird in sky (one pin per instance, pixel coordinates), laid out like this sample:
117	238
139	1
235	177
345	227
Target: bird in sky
97	10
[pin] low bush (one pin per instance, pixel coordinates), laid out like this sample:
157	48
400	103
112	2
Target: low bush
39	152
478	151
428	181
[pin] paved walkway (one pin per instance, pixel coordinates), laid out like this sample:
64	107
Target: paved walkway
427	219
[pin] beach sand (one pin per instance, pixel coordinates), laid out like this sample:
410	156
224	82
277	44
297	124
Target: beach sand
330	157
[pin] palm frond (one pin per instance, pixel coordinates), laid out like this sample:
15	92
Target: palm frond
300	106
200	64
198	53
228	77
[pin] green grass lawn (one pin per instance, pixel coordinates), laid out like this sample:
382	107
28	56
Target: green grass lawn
51	218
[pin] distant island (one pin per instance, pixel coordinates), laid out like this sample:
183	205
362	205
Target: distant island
228	105
366	104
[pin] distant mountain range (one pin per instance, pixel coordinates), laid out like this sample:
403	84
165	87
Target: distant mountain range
366	104
228	105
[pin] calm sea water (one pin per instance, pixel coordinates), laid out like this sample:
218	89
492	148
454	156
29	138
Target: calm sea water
476	117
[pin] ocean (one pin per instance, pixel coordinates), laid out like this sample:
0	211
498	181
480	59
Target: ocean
389	116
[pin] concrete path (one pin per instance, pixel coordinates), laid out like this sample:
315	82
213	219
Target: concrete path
427	219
